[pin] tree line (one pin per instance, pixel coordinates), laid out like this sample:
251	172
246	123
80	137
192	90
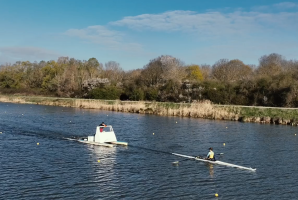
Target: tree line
273	82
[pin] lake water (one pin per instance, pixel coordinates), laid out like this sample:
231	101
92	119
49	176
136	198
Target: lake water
61	169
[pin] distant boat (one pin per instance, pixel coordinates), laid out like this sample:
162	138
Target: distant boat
104	136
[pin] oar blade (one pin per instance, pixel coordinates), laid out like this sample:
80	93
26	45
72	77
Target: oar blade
175	163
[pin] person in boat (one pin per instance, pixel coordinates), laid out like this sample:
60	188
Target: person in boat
102	125
210	155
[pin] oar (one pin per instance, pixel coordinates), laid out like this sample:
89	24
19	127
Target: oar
177	162
201	157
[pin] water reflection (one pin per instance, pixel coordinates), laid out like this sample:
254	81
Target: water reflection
105	155
211	170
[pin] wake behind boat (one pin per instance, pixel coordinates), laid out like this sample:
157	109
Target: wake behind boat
215	162
104	136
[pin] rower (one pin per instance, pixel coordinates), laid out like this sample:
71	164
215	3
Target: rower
210	155
102	125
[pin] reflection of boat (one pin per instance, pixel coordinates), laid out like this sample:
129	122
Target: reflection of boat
215	162
104	136
211	171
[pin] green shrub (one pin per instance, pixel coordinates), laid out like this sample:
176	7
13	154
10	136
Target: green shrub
151	94
137	95
108	93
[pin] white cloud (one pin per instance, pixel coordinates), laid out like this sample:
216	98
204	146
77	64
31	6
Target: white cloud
276	7
103	36
226	33
286	5
13	54
210	23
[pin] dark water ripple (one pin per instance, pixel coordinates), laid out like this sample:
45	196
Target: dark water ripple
61	169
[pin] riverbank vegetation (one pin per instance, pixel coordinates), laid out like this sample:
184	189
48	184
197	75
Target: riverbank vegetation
201	109
272	83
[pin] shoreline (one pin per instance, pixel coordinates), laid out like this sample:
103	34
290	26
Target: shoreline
203	109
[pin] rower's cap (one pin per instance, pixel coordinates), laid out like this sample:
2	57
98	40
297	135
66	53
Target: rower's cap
210	148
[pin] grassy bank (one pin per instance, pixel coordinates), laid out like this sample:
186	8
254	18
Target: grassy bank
204	109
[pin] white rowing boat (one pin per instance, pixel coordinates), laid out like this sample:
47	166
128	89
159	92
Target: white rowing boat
215	162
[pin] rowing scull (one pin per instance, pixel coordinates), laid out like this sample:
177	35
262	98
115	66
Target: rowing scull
215	162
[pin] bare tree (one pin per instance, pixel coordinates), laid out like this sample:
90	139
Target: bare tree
63	60
113	72
162	69
93	67
206	71
151	74
171	68
229	71
271	65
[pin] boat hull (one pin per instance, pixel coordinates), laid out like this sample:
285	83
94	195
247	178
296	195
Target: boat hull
109	144
120	143
96	143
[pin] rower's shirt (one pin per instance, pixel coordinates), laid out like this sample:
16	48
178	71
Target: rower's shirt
210	154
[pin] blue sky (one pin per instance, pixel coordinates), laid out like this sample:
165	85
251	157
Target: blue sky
132	32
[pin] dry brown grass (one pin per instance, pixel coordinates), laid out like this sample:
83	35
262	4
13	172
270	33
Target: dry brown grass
203	109
199	110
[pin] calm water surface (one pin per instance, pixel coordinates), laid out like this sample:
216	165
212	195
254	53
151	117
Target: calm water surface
61	169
